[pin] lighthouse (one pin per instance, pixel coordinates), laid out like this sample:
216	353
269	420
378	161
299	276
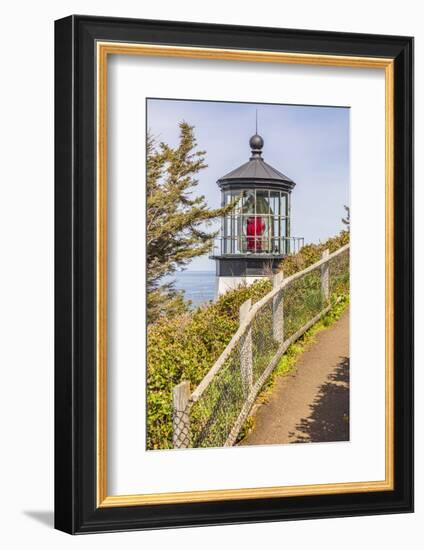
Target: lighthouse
255	233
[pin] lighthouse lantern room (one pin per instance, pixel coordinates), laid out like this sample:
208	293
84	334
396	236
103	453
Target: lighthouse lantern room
255	233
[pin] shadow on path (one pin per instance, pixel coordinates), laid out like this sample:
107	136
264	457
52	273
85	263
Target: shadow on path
329	417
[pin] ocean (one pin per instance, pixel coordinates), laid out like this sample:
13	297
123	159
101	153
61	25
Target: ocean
198	286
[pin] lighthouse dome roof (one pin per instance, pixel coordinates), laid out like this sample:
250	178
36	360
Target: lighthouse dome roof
256	171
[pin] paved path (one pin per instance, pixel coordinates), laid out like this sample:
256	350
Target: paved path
312	404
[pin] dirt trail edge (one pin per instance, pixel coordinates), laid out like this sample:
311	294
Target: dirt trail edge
311	405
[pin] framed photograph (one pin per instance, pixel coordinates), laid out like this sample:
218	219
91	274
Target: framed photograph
234	274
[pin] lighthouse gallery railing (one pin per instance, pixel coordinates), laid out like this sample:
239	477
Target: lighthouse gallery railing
256	245
215	412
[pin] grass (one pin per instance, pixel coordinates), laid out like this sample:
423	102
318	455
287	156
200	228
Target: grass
287	364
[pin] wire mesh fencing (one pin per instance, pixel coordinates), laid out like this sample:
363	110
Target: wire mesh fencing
214	413
339	274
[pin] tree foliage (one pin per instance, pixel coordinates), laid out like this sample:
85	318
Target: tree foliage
346	220
178	221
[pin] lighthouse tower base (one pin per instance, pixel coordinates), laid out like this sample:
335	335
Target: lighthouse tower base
224	284
233	272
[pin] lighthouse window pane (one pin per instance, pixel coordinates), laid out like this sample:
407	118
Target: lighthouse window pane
268	235
248	202
258	229
251	230
283	227
276	227
233	196
228	226
283	204
262	202
237	233
275	203
237	198
241	240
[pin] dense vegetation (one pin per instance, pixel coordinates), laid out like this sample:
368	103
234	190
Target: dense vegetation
185	346
311	253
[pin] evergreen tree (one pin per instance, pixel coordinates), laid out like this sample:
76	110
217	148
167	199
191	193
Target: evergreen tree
346	220
177	221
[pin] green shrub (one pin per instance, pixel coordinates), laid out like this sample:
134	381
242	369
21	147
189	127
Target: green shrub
311	253
185	348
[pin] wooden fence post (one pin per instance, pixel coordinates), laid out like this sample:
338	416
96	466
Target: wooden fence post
325	279
180	416
278	309
246	351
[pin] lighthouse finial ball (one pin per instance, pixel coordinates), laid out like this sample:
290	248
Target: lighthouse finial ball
256	142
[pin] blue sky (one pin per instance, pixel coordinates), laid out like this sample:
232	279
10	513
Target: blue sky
308	144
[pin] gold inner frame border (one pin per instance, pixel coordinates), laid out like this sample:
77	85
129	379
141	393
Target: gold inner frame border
103	50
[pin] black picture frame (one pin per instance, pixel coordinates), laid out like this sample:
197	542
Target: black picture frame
76	510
